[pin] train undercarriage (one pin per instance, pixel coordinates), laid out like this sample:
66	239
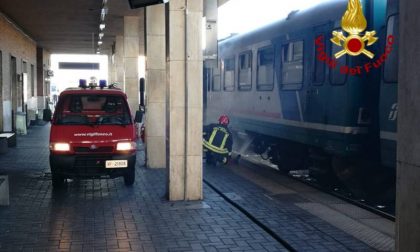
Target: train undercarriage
361	175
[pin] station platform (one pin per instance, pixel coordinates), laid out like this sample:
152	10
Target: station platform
243	210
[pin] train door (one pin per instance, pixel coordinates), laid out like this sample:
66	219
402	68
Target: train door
207	77
292	60
212	88
316	91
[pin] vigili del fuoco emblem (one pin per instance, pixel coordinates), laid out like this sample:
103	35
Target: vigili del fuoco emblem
354	23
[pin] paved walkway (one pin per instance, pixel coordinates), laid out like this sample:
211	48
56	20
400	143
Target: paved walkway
104	215
289	213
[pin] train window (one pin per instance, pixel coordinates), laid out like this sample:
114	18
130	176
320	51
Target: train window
318	71
336	77
265	69
297	51
292	67
245	71
229	74
391	64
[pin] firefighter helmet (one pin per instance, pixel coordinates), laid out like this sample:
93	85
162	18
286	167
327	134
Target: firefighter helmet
224	120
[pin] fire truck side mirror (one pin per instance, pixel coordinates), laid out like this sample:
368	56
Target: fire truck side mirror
140	112
142	91
139	116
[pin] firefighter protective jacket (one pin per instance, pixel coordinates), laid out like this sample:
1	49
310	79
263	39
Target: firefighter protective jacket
217	138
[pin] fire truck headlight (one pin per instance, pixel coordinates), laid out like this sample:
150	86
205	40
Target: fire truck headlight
60	147
126	146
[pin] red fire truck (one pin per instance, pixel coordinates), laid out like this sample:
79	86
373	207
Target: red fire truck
92	135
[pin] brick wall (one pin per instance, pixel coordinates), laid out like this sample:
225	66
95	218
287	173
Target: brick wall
15	43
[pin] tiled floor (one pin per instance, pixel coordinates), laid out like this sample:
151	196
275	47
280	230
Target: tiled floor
104	215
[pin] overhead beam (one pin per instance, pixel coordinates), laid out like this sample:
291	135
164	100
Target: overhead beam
222	2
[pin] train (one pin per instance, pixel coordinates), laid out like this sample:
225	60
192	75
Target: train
299	106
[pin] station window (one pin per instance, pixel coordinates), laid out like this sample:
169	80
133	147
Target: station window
24	67
292	67
265	70
229	74
245	71
391	64
1	70
318	71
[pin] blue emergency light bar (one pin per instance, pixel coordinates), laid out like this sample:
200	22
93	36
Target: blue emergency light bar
102	84
82	83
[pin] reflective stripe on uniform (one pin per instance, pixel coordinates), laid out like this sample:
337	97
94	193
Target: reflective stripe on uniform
212	136
214	148
222	146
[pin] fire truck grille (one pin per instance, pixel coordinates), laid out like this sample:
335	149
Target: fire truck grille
91	162
104	149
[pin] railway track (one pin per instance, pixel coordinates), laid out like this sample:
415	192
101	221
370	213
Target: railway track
343	194
384	210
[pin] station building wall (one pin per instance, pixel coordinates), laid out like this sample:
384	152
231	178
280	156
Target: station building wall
16	46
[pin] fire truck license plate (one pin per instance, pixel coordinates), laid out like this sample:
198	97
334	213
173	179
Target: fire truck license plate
116	164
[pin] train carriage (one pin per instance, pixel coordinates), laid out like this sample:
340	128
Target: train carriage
388	106
282	87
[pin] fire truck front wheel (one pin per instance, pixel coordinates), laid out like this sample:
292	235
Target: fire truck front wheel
129	176
57	180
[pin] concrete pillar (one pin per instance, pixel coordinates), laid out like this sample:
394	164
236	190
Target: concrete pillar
131	60
42	86
119	61
40	89
408	137
142	41
156	86
112	71
184	99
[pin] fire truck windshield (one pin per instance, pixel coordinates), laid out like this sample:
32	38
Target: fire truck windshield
92	110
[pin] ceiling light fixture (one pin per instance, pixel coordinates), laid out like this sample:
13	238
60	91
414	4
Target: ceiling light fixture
104	11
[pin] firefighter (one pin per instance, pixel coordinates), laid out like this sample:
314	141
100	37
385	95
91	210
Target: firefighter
217	141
